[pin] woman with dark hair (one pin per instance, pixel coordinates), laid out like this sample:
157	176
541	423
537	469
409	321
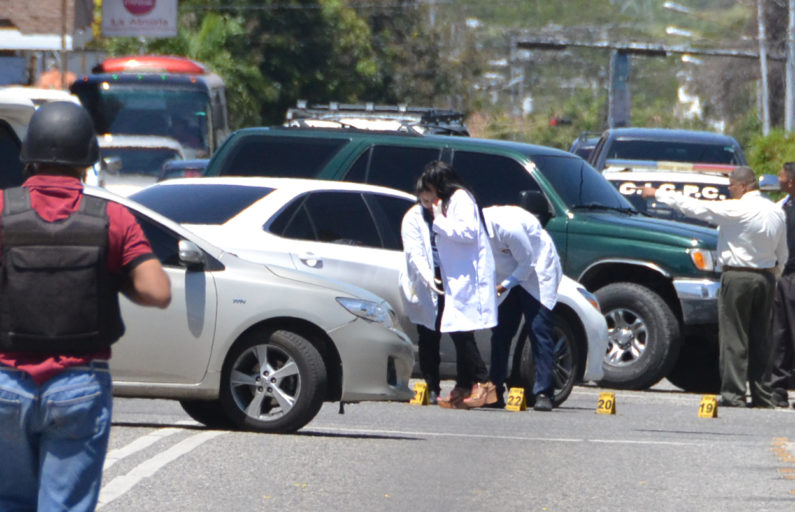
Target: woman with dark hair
421	286
467	273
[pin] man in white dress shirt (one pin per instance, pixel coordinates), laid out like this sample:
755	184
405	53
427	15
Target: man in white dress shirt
752	250
528	274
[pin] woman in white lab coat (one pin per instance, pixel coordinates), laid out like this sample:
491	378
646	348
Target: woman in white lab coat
468	275
421	284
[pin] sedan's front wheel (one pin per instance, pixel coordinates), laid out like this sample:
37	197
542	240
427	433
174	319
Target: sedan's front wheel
273	381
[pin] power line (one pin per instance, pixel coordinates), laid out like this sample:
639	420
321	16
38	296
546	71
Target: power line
651	49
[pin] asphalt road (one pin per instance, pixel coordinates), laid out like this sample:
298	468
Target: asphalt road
654	454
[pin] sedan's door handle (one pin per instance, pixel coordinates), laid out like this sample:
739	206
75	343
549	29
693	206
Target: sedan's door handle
310	260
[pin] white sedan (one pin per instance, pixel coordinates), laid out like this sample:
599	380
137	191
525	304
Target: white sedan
254	346
351	232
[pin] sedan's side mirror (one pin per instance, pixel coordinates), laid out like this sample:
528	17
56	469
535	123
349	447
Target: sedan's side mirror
536	203
191	255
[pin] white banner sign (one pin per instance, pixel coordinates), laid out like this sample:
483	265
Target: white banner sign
139	18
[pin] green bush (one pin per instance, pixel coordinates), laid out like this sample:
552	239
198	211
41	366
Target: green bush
767	153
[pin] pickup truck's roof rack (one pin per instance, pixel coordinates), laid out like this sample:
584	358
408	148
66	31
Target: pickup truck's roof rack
400	118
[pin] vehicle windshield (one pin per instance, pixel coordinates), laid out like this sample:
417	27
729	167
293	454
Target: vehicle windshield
631	189
140	160
579	184
149	110
200	204
674	151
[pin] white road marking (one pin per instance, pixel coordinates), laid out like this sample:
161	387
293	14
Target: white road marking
121	484
139	444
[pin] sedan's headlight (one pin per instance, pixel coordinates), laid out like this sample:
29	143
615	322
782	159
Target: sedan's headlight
590	297
371	311
703	259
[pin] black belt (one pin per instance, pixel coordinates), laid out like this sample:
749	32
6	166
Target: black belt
748	269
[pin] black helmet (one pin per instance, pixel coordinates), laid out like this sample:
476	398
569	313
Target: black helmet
60	133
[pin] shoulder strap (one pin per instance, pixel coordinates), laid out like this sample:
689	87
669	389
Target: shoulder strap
16	200
93	206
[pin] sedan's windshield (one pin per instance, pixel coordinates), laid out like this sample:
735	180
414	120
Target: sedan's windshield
200	204
579	184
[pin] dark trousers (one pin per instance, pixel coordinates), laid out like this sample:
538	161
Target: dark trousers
469	366
540	325
428	343
745	302
783	336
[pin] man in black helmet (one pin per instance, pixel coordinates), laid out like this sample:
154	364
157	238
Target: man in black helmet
64	257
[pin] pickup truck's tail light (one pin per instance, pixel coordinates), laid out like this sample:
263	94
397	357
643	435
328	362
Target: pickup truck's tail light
702	259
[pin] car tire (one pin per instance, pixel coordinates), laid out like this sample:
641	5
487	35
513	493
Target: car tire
272	381
207	412
697	370
643	336
567	362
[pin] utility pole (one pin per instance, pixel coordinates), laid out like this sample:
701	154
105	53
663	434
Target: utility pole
760	15
618	105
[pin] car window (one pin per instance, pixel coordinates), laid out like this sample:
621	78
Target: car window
674	151
337	217
579	184
164	242
10	166
200	204
494	179
397	166
389	212
140	160
295	157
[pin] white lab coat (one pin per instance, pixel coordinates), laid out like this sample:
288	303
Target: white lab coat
467	266
524	252
419	300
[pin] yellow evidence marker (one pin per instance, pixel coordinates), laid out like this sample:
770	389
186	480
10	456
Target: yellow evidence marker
708	407
420	394
516	400
606	403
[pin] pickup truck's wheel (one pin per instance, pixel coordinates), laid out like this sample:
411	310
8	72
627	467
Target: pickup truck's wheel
566	369
643	336
272	381
696	369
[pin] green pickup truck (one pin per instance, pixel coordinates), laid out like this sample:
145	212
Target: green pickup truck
655	279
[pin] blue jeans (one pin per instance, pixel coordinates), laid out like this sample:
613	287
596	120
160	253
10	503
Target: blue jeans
540	323
53	438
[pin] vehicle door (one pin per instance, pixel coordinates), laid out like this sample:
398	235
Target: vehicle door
495	180
172	345
334	234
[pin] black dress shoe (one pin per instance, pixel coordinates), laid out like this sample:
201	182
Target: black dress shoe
780	400
433	398
543	403
722	402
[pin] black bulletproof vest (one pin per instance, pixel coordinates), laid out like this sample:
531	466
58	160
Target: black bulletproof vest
56	294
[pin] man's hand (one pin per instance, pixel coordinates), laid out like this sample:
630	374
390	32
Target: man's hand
648	192
501	289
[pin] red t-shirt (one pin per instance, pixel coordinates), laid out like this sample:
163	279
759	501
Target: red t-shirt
55	198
